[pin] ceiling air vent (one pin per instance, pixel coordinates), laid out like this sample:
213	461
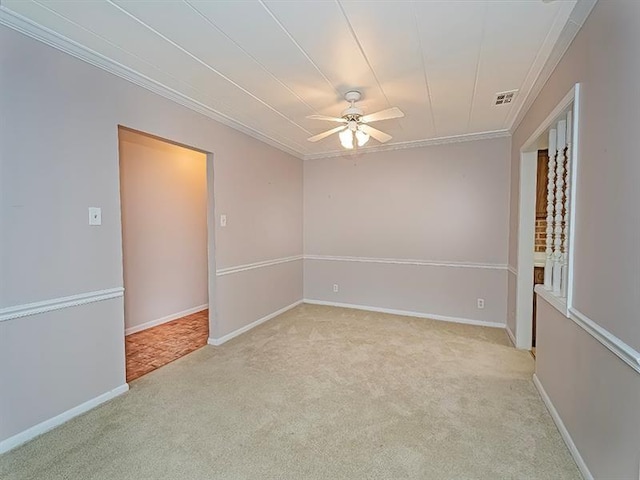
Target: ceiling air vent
505	98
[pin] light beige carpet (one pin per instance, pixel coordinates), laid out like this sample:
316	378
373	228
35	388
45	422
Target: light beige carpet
319	393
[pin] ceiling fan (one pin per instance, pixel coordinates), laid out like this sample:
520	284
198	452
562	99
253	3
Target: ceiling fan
355	129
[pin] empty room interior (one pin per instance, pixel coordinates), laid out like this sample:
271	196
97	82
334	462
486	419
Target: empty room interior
319	239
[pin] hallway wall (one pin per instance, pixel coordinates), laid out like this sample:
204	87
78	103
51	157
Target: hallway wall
59	156
163	192
595	392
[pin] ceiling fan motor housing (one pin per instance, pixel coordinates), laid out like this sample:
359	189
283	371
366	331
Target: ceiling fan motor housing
353	112
353	96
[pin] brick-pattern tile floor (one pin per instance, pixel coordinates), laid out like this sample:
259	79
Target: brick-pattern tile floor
157	346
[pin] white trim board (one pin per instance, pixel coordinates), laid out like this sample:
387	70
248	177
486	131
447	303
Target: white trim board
566	436
625	352
526	237
165	319
35	308
427	142
43	427
572	97
396	261
558	303
406	313
402	261
251	266
511	336
216	342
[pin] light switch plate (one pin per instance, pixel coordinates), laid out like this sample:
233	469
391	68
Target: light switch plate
95	216
223	220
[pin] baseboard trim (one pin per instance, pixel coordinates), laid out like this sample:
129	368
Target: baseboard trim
216	342
406	313
43	427
511	336
168	318
582	466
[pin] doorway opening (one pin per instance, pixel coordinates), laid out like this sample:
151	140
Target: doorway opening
540	240
551	270
164	209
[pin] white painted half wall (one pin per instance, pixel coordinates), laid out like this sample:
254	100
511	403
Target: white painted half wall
163	194
422	230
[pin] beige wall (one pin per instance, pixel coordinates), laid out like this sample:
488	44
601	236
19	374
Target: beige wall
58	156
594	392
586	381
163	193
445	204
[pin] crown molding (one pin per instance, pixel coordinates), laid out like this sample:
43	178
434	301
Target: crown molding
49	37
429	142
576	20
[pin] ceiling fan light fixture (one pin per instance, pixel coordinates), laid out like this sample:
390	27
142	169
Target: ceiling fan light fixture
355	129
346	138
362	138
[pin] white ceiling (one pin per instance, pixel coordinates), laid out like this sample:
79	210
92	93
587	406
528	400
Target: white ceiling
263	66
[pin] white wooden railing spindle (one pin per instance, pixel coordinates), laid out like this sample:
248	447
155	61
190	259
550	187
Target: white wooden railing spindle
548	267
559	198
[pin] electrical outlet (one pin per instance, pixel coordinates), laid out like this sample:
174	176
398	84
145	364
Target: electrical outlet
336	288
481	303
95	216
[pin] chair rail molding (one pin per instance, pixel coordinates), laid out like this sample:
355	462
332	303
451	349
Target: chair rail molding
36	308
625	352
252	266
406	261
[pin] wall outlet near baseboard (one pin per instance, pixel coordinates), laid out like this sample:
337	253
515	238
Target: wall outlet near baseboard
336	288
481	303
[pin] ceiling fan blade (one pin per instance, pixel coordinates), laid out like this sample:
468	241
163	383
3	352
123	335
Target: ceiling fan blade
393	112
375	133
324	117
322	135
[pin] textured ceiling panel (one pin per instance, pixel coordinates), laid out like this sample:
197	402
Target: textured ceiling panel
264	66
